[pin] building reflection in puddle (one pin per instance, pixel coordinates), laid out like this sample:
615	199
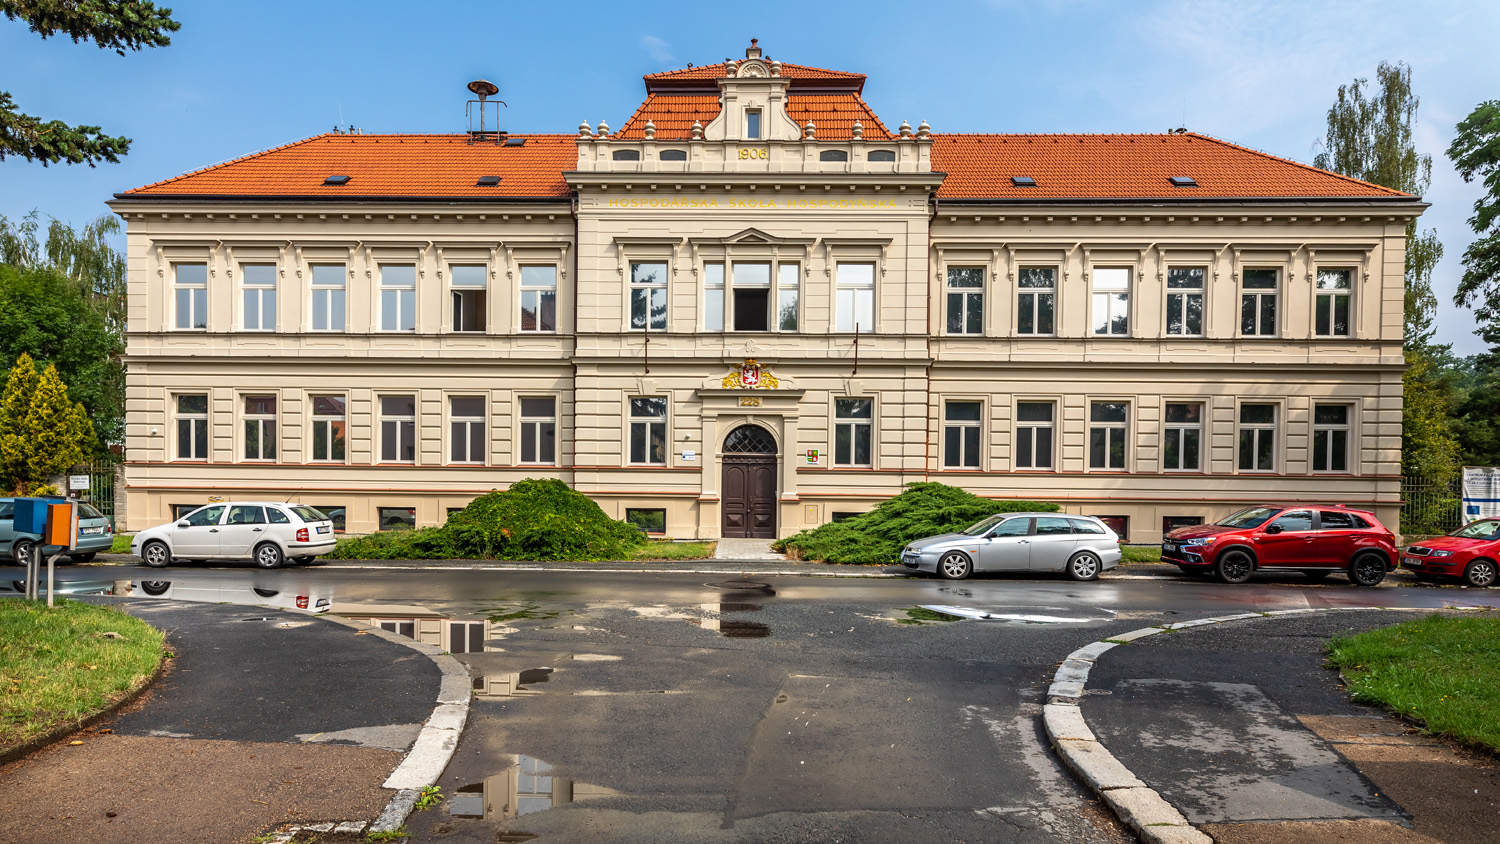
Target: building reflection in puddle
526	787
454	635
241	594
713	619
515	684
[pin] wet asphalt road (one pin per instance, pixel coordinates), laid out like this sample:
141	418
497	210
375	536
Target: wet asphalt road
648	707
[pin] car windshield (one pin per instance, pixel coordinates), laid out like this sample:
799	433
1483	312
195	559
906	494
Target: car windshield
983	527
1250	517
1484	529
308	514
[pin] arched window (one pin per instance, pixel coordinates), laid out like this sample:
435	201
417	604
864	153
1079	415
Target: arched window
881	155
833	155
750	439
673	155
627	155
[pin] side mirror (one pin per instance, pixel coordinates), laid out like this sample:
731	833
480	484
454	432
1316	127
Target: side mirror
183	524
1274	529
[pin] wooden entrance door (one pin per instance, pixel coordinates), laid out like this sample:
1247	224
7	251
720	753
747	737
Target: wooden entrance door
749	484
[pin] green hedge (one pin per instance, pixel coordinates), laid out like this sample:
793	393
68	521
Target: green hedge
877	537
541	520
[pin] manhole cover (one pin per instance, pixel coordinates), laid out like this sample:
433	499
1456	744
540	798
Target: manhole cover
1097	692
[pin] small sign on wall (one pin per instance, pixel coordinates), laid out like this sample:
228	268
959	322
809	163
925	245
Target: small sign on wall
78	482
690	455
812	457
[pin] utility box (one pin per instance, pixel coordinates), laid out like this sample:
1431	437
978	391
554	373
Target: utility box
31	514
62	525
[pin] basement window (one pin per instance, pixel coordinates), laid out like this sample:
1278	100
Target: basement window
1023	181
336	180
1183	182
488	181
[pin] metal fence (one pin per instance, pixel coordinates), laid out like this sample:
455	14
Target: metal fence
1431	507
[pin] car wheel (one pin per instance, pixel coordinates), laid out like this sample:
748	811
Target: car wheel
155	588
21	552
1367	570
1317	576
1084	566
82	558
1234	566
156	554
267	555
955	565
1480	573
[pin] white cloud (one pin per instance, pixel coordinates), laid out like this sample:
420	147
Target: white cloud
656	48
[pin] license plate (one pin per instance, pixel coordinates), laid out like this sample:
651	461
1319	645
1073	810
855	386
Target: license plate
92	531
324	529
1167	546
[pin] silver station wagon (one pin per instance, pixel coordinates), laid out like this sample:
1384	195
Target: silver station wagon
1081	546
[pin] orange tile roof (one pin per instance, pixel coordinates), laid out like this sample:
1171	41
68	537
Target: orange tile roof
833	114
1128	167
721	69
385	165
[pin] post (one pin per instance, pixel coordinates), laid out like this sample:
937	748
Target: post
33	571
51	558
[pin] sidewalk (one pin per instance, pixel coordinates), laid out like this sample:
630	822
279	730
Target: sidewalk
1241	729
263	718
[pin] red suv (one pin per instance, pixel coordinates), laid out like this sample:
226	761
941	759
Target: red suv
1470	553
1315	540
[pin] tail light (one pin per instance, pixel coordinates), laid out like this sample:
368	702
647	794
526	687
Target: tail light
301	602
108	528
302	534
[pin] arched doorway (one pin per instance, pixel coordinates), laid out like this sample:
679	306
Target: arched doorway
749	497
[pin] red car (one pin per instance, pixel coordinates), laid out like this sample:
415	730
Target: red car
1470	553
1316	540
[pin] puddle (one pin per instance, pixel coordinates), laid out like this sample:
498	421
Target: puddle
526	787
922	615
713	620
516	684
760	589
723	607
515	610
595	657
241	594
744	630
63	587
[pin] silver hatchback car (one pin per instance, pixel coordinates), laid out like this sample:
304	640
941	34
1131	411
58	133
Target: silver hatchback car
1081	546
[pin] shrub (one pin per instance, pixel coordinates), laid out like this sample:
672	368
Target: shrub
541	520
877	537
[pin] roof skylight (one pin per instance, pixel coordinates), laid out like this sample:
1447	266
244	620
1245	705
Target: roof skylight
488	181
336	180
1183	182
1023	181
515	142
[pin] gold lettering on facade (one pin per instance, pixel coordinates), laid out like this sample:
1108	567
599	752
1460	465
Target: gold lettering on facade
751	203
749	401
748	153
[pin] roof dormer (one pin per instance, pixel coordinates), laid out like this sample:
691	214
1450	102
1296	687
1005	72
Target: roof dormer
752	98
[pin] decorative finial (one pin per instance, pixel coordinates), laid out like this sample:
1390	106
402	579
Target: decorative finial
650	129
753	52
776	68
923	130
603	129
859	131
810	131
697	130
585	130
905	129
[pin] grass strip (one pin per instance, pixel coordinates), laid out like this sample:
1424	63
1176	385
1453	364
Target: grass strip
1442	672
666	550
63	664
1140	554
122	544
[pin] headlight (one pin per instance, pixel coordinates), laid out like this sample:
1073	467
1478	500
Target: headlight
1441	554
1194	543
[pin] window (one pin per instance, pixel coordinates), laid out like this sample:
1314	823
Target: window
398	297
400	628
1171	523
1034	435
881	155
1185	301
328	297
1331	311
966	300
833	155
1183	445
713	297
1336	520
752	296
205	517
1036	300
1111	302
329	428
1107	435
647	520
788	290
247	514
259	286
539	298
466	429
192	427
465	637
627	155
648	431
468	283
1053	526
398	518
961	434
1086	526
1293	521
539	430
1257	437
334	513
752	123
181	511
1119	524
1330	438
398	430
648	296
260	427
190	284
673	155
855	297
1258	302
853	430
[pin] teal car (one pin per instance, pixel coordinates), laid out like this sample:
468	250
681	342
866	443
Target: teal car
95	534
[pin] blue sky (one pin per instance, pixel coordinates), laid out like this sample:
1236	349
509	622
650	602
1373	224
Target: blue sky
243	76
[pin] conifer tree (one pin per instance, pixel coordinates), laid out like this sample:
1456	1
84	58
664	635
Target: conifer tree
42	433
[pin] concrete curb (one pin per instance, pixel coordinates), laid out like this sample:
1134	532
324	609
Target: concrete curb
437	741
1137	805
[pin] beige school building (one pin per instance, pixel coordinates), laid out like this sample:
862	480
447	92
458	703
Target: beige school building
754	308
